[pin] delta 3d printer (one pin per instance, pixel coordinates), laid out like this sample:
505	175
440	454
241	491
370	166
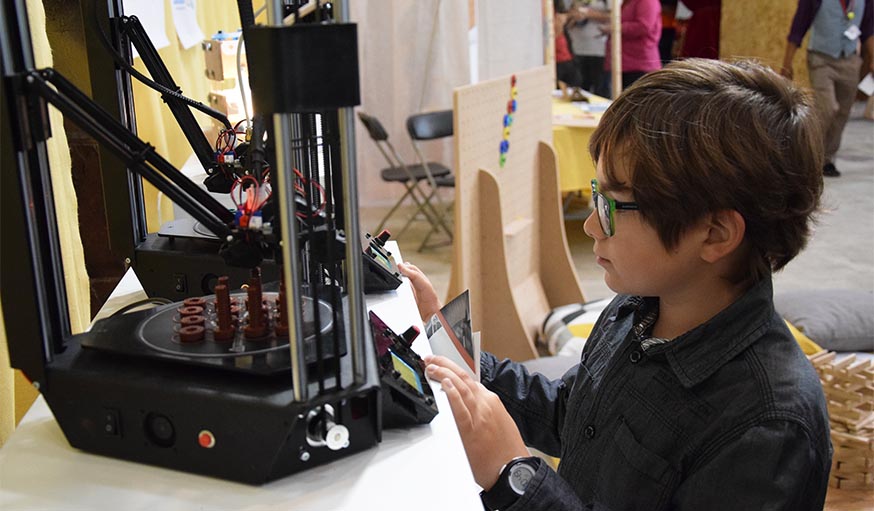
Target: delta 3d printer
248	386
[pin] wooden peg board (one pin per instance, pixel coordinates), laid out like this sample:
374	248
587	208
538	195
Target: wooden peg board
848	385
511	251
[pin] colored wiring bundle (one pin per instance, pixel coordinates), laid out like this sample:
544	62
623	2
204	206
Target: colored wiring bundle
250	196
227	141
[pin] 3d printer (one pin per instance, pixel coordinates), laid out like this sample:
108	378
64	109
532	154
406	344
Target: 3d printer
244	386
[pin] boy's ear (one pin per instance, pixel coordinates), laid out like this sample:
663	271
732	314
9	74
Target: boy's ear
725	233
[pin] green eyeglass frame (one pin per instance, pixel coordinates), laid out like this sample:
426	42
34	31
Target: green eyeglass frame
605	206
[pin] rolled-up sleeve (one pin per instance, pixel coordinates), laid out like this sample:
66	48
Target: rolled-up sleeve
773	465
867	24
802	20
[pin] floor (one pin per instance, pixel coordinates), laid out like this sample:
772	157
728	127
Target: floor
840	254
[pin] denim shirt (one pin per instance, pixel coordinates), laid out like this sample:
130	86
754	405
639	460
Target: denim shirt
730	415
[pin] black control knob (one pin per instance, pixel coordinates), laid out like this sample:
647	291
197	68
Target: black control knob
383	237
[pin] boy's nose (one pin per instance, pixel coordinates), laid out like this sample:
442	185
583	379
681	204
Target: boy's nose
592	227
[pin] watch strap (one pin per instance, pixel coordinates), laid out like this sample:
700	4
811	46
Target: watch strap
501	496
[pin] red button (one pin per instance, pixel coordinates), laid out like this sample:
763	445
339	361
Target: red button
206	439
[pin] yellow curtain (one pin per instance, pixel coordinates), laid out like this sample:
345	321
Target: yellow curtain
16	395
7	389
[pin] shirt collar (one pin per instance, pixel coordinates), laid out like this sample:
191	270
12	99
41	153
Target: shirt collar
700	352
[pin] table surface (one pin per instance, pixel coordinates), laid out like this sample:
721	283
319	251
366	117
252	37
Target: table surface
422	467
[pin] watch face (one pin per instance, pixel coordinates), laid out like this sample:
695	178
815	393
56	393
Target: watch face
520	475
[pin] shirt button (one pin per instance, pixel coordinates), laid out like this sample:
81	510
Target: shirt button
634	357
589	431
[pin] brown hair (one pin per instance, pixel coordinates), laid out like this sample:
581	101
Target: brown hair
701	136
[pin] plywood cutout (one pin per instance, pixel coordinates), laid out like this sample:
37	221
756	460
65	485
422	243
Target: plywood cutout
511	251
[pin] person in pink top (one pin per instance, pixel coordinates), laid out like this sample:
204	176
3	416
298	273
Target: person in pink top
641	30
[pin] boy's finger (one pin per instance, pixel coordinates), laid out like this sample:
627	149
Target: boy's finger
440	373
410	270
467	389
452	366
463	417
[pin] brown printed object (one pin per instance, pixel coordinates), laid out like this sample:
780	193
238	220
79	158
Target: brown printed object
191	333
257	326
190	310
196	301
224	330
282	316
192	320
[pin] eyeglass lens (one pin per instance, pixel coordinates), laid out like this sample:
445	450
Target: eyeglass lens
603	207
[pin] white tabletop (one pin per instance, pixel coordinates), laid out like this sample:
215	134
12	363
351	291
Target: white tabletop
420	468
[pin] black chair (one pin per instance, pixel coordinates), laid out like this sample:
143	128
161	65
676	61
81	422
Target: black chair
419	180
433	126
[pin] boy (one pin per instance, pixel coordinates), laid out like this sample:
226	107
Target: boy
690	393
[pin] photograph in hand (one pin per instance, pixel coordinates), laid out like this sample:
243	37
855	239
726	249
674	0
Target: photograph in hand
449	332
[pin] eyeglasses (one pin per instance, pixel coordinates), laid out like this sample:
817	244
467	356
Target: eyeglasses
605	206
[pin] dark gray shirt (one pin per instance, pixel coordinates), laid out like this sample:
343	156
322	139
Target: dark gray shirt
730	415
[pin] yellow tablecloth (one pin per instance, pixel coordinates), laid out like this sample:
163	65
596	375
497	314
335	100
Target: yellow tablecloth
571	128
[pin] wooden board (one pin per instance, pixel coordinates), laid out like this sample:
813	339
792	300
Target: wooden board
511	251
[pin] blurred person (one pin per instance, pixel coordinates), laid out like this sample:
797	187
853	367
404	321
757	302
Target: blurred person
837	28
701	39
669	31
565	69
588	43
641	31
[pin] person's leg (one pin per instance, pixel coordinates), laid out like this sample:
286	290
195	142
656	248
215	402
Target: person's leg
585	76
598	83
566	72
629	77
603	85
666	45
822	82
846	72
591	72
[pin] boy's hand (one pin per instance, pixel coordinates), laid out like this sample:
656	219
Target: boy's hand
490	436
423	290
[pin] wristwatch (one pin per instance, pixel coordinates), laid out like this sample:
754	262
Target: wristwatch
511	484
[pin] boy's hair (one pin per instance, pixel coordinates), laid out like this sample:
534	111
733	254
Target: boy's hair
701	136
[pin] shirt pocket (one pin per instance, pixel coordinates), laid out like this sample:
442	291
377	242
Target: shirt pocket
631	476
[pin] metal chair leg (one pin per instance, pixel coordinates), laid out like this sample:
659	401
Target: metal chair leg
392	210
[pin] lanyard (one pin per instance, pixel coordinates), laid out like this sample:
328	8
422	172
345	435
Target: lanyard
848	6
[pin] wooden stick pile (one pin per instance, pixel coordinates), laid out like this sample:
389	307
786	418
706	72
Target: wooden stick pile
849	388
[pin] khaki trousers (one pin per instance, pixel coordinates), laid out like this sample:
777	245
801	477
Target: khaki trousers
834	84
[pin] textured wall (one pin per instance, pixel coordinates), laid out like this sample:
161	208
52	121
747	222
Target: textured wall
752	28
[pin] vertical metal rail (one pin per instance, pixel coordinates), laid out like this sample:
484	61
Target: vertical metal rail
350	207
48	303
283	136
135	202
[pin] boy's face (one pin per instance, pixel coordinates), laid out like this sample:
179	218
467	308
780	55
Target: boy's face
634	258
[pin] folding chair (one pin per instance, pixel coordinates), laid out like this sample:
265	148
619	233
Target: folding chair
432	126
411	176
